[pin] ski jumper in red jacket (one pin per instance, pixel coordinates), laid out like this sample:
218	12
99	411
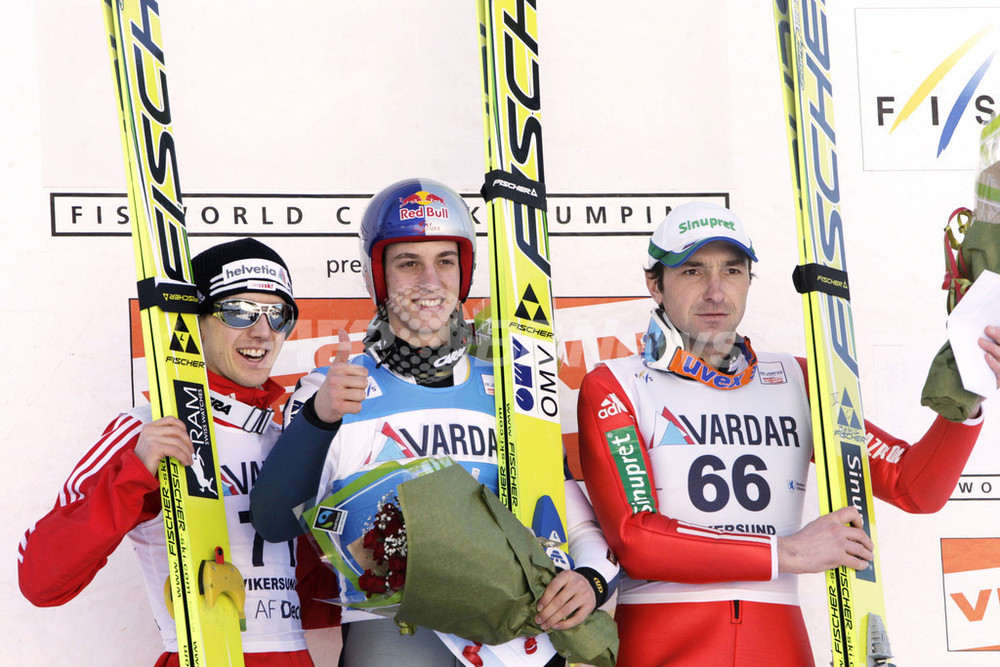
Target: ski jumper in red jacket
112	493
696	455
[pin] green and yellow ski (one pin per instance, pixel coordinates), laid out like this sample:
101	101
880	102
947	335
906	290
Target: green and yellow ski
529	442
204	592
855	600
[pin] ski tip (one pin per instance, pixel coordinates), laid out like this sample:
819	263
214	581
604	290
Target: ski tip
546	522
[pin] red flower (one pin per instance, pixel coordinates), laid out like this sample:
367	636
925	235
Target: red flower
370	540
386	539
372	584
396	579
391	519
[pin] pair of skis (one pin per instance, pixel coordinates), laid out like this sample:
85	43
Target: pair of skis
855	600
524	346
204	592
528	432
524	351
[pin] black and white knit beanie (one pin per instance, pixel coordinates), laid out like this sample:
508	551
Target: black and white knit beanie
245	265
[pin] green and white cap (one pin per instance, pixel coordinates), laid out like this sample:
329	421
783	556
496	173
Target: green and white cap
690	226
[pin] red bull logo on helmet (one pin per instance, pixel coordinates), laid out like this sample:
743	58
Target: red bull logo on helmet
423	204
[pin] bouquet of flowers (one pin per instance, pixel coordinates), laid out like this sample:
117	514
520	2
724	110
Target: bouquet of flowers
425	543
360	532
386	540
979	250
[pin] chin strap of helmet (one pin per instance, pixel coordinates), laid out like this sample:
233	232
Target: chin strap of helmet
426	365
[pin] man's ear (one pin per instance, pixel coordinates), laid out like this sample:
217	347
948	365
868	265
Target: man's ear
653	285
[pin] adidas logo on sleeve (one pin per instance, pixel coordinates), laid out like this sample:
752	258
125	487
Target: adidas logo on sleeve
610	407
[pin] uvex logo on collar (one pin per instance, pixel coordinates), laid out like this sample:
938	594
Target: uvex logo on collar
687	365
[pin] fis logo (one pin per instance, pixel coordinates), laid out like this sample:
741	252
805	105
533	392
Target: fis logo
610	407
928	85
423	205
961	102
372	390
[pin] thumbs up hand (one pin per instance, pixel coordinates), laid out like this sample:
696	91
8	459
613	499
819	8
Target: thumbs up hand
343	390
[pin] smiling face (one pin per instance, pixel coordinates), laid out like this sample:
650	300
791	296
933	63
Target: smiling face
705	298
244	356
422	281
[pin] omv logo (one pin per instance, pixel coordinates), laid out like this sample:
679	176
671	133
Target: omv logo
946	71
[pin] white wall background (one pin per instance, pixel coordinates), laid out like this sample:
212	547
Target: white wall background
639	96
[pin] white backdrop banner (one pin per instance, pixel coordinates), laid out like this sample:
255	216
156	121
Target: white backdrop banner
288	116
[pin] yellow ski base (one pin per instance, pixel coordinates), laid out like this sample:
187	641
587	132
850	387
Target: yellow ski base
194	514
854	597
529	439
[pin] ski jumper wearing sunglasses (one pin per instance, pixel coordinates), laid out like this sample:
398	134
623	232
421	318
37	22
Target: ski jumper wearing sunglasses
113	494
696	453
418	393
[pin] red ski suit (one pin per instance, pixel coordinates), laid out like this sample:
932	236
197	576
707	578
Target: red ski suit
110	495
693	485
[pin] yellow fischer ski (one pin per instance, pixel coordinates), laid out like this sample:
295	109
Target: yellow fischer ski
529	441
204	592
855	600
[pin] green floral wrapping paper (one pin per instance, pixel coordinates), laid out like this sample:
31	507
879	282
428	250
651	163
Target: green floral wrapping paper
472	569
476	572
943	391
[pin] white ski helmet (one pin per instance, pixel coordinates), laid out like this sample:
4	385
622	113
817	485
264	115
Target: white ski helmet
417	209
